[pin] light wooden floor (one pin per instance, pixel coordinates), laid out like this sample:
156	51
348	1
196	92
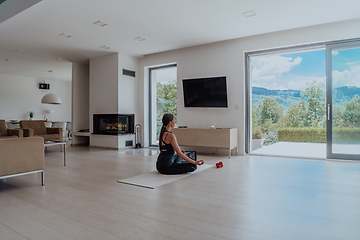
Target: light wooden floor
251	197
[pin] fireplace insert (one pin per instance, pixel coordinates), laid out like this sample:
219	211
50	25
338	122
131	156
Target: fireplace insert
113	124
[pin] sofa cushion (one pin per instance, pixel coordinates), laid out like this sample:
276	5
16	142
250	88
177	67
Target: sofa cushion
7	137
50	137
38	126
3	128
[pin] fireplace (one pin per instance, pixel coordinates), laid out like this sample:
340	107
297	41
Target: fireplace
113	124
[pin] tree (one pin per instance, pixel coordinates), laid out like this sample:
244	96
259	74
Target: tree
311	110
351	113
338	117
255	116
296	115
266	116
269	109
314	98
166	101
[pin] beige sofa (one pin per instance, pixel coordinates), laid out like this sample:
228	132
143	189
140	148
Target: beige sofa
19	156
38	128
9	133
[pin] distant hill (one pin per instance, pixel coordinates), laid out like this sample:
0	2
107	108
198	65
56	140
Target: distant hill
344	94
268	92
288	97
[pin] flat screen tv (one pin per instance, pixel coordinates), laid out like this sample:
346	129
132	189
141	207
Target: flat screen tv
207	92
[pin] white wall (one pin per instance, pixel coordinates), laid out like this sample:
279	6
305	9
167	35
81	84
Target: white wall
103	85
227	58
20	95
127	89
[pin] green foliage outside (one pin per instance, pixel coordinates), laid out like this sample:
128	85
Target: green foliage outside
306	134
305	120
257	134
314	99
318	135
166	102
269	109
346	135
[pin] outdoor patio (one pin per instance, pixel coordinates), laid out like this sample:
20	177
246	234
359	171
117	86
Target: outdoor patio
303	150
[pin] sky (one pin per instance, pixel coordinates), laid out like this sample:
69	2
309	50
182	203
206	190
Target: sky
296	70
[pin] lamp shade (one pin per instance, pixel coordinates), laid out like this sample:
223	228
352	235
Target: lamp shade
51	98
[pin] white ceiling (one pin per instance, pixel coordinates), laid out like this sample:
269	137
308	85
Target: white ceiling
164	24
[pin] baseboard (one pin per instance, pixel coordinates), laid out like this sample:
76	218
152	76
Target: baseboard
112	148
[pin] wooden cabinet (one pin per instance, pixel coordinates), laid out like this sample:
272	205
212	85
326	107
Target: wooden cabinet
207	137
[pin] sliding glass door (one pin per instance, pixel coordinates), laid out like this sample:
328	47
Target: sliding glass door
163	98
334	120
343	100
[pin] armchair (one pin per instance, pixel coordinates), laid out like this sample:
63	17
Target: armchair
9	133
38	128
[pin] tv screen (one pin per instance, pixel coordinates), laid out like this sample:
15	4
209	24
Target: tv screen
205	92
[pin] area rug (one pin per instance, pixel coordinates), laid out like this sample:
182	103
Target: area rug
155	179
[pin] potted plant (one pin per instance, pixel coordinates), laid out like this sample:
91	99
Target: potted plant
257	139
31	115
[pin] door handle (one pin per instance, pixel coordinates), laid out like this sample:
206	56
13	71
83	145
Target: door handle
328	111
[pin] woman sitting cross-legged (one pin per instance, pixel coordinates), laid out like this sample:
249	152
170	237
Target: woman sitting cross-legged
168	162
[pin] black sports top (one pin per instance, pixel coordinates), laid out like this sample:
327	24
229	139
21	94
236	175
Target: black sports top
167	153
167	147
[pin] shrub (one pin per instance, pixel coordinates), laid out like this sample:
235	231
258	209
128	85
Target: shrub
346	135
312	135
257	134
270	138
318	135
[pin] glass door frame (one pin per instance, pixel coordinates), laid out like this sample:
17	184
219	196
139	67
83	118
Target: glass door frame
151	144
329	47
248	83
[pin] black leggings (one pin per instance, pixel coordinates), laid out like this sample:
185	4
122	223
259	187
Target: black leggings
177	167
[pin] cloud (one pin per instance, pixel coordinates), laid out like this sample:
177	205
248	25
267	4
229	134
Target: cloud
349	77
272	67
334	52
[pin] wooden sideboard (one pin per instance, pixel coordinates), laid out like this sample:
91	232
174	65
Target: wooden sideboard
207	137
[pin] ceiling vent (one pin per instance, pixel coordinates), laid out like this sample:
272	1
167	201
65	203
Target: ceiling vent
128	73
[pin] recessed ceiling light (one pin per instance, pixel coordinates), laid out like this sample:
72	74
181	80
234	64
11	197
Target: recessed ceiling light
64	35
100	23
139	38
105	47
59	59
20	51
249	13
